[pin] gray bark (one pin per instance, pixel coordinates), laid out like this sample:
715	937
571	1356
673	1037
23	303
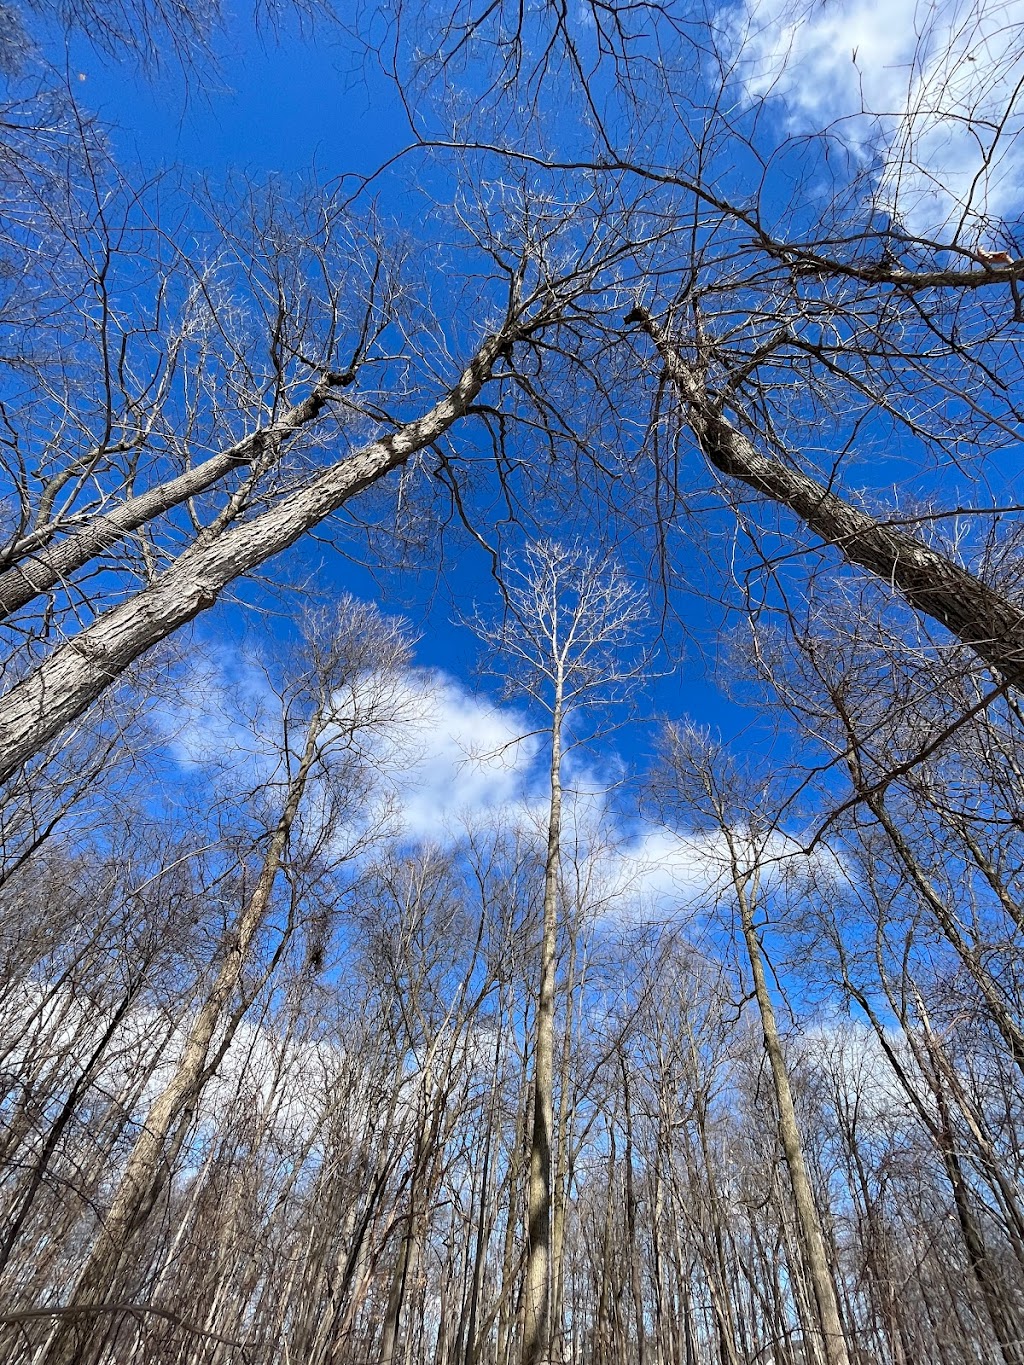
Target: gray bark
930	582
145	1170
537	1289
34	565
65	684
832	1345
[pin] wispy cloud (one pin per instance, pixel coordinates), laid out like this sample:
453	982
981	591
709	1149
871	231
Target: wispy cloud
668	875
465	758
448	754
928	88
223	721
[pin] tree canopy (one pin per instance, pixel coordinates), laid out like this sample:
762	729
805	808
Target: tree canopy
694	324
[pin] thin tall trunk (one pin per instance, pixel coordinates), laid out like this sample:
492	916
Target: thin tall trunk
716	1271
484	1215
146	1169
1005	1326
39	1168
562	1174
604	1312
812	1241
633	1241
537	1320
510	1263
407	1254
974	959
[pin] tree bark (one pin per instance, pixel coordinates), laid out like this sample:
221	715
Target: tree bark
812	1242
537	1324
144	1173
34	565
633	1240
65	684
973	958
930	582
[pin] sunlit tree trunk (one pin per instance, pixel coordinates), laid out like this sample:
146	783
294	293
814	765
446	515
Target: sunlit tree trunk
633	1242
145	1171
570	614
562	1174
537	1289
63	686
989	621
516	1197
812	1243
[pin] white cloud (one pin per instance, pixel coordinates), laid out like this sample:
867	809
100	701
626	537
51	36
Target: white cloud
662	875
657	875
850	1057
465	758
930	86
225	718
446	754
450	759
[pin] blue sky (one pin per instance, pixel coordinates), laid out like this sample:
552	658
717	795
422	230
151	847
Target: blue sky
280	105
283	103
280	102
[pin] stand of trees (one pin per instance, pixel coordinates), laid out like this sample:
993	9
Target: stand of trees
349	1177
276	1081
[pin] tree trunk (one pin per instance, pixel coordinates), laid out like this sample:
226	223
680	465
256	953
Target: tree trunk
66	683
812	1242
930	582
537	1324
34	565
562	1175
480	1253
145	1171
633	1241
406	1261
973	959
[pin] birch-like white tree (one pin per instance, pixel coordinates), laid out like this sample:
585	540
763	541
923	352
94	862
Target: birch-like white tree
567	642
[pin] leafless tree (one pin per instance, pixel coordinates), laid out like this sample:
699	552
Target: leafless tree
793	334
350	688
663	318
569	619
209	492
701	780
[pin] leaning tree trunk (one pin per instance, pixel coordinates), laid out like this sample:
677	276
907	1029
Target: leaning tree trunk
930	582
64	685
972	958
34	565
146	1170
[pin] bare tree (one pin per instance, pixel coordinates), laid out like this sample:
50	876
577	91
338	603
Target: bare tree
801	335
201	520
700	778
982	616
570	616
349	689
655	301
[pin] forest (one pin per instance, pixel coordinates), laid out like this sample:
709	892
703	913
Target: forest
511	670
